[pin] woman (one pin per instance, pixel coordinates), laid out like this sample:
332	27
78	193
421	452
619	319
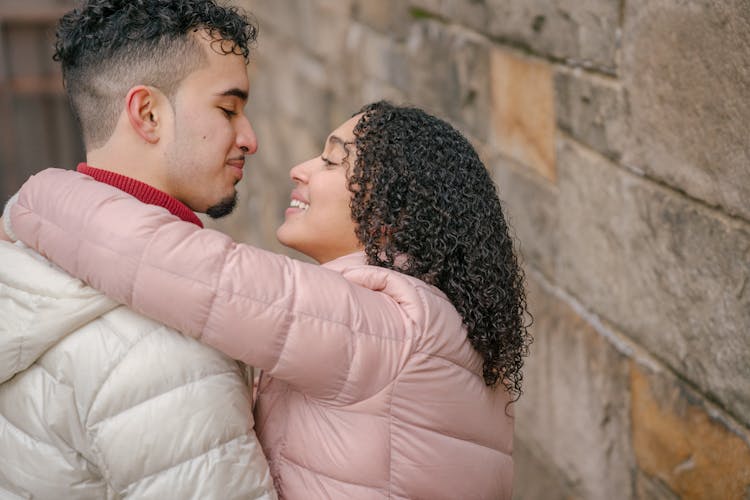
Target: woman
389	369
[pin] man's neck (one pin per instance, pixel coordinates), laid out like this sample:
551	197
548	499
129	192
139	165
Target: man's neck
140	190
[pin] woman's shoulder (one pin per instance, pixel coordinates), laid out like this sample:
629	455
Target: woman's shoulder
420	300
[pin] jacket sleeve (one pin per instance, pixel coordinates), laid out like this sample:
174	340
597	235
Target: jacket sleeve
302	323
176	429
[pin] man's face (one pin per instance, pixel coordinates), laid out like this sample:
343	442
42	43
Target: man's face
212	135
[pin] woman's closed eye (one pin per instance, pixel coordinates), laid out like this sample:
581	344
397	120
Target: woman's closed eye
328	163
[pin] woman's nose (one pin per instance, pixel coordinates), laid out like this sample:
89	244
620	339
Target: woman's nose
301	171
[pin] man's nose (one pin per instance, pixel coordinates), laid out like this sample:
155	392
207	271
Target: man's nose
246	139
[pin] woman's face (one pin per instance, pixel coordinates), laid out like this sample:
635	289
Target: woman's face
318	221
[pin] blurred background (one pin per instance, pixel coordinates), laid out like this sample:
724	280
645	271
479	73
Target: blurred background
617	134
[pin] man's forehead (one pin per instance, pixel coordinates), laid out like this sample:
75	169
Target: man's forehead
213	43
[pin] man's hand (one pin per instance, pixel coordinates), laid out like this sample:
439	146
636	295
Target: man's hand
3	236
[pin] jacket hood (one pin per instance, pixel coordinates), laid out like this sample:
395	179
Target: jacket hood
39	305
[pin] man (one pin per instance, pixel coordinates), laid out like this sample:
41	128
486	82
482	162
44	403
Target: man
97	401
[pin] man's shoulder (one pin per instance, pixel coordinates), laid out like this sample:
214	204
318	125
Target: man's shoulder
26	270
122	332
122	360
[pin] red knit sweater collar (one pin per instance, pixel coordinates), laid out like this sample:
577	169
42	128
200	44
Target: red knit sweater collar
142	191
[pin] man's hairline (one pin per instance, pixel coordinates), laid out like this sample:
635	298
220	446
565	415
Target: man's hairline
205	43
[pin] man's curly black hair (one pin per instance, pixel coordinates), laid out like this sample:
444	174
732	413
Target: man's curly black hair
425	205
106	47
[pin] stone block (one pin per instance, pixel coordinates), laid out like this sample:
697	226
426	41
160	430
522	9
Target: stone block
296	86
681	448
585	32
318	26
575	405
371	54
580	31
376	90
531	208
523	111
592	109
276	17
472	13
450	75
670	273
535	478
270	80
391	17
686	68
422	8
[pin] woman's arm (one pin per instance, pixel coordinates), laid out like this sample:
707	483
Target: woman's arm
302	323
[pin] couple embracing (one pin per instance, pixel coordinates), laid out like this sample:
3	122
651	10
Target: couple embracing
387	370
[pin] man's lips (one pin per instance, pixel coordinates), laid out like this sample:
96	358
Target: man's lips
238	164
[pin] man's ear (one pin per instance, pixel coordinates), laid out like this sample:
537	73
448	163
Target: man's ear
143	106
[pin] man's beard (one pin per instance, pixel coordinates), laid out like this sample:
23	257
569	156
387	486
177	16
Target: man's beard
224	207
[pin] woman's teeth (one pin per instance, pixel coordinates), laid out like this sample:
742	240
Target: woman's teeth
299	204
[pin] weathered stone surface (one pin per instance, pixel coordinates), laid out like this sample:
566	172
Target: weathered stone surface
575	405
296	87
648	487
671	273
585	32
678	442
319	26
686	67
473	13
390	17
535	478
591	109
455	86
375	90
523	111
371	54
531	206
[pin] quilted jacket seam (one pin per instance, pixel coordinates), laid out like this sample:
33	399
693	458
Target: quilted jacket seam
162	394
187	460
272	304
287	459
112	329
390	440
215	293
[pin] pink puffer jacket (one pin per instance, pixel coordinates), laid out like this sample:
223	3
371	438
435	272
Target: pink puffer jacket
370	388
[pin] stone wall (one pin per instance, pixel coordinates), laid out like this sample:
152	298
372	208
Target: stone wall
617	133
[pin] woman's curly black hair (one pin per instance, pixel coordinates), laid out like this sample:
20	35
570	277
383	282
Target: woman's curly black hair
425	205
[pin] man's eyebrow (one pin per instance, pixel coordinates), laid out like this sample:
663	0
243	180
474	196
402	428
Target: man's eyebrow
235	92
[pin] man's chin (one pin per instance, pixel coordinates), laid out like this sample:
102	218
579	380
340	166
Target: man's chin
223	208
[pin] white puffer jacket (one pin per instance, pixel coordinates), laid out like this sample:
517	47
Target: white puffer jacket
99	402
